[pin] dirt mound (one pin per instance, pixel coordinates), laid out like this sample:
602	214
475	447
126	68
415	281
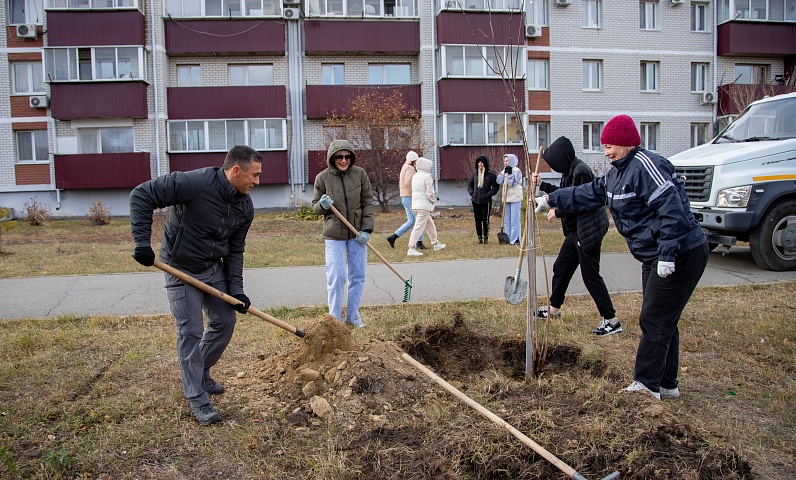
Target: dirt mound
396	423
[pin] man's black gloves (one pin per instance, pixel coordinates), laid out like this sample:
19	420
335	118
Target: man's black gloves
144	255
245	302
507	170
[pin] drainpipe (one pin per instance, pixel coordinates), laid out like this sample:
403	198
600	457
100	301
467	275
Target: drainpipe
51	121
715	64
434	93
155	86
296	112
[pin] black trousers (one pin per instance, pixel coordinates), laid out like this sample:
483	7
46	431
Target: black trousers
658	355
569	258
481	212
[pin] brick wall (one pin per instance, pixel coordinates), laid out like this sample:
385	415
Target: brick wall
32	173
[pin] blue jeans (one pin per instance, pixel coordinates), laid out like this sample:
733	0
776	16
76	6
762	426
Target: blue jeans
512	221
410	218
345	260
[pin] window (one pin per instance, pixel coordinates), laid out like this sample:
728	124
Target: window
480	129
249	75
25	11
649	76
700	133
222	8
333	73
751	74
648	15
538	135
99	63
491	5
482	61
105	140
189	76
592	70
591	14
27	78
699	77
32	146
389	74
649	136
537	74
221	135
591	137
699	17
536	12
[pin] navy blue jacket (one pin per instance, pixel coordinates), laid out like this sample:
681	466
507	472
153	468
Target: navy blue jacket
648	203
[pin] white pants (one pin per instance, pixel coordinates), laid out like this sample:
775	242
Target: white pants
423	223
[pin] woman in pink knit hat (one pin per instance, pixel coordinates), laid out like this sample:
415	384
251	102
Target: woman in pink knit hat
651	210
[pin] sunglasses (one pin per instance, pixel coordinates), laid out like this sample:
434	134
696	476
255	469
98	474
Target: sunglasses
341	157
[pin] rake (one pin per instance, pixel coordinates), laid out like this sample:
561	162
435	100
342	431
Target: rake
407	283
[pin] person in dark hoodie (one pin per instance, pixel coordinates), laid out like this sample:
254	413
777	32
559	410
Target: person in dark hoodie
482	187
651	210
583	236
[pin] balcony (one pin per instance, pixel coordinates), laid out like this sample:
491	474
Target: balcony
101	170
326	100
275	164
756	39
268	101
69	101
474	28
458	163
360	37
228	37
735	97
93	28
478	95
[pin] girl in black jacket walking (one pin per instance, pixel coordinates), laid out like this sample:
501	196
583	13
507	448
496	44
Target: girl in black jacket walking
482	187
583	236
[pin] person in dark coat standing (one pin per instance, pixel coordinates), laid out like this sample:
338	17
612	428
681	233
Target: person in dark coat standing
583	236
482	187
651	210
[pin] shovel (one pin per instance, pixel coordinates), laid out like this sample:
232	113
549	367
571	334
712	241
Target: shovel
516	288
503	237
223	296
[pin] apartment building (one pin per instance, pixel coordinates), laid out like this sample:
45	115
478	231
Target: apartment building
100	95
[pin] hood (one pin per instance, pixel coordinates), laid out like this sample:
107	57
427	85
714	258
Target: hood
560	155
335	147
513	162
424	165
727	153
485	159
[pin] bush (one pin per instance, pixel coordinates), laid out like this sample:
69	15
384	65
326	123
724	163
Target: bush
6	223
36	213
99	213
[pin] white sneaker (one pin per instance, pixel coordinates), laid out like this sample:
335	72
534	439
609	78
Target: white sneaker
637	386
438	246
412	252
670	392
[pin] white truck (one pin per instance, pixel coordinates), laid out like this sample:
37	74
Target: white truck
742	184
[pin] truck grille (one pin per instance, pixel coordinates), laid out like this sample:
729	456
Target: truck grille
697	182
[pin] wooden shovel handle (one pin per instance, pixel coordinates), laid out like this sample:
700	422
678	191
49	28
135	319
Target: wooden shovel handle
223	296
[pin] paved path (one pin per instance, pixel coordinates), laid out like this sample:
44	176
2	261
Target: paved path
143	293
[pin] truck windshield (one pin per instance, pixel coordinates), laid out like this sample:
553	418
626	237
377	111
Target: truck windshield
774	120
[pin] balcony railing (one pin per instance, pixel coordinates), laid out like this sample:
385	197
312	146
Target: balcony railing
324	101
275	164
101	170
457	163
98	100
353	36
735	97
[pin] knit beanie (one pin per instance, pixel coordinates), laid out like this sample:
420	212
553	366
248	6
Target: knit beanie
411	156
620	131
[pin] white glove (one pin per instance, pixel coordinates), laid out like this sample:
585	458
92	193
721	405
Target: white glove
325	201
541	202
665	269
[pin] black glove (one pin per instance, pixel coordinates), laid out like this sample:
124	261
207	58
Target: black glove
245	302
507	170
144	255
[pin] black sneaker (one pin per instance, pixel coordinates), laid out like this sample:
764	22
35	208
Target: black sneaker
206	414
213	388
607	328
391	239
420	246
542	313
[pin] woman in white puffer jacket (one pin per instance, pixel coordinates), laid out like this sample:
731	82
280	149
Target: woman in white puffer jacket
423	199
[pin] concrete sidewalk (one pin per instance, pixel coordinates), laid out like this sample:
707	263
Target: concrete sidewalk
144	294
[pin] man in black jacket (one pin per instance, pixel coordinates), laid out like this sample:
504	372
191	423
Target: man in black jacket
204	236
583	235
482	187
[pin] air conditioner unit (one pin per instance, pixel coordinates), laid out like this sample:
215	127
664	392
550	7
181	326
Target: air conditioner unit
291	13
563	3
709	98
26	31
533	31
675	2
39	101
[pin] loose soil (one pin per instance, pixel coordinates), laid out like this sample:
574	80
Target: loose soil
380	409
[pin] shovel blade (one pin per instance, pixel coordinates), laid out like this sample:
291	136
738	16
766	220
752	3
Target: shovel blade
503	238
515	290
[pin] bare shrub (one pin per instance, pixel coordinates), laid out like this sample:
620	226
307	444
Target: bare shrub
99	213
36	213
6	223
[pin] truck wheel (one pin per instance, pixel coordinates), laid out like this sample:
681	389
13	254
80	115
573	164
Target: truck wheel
773	242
